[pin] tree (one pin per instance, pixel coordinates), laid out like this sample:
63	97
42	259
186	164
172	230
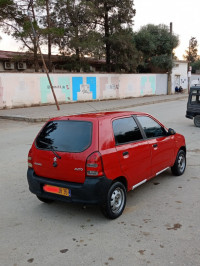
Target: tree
195	66
7	9
191	54
17	24
79	37
156	44
111	17
124	55
48	28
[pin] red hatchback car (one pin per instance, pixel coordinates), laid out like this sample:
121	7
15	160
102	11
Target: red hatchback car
96	158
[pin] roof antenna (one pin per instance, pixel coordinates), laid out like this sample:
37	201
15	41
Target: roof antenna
37	43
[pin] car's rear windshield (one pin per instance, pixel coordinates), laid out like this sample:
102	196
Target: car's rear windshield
65	135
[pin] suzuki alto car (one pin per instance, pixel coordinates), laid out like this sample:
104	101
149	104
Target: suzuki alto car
96	158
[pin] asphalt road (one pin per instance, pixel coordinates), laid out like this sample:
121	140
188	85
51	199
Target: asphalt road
160	225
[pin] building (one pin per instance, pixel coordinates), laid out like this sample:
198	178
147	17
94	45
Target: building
180	75
24	62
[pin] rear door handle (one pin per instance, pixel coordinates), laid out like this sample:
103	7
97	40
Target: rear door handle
155	145
125	153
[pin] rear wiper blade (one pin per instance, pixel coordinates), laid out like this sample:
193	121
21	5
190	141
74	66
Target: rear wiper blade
51	148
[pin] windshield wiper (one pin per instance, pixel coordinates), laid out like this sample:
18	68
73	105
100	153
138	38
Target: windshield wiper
52	148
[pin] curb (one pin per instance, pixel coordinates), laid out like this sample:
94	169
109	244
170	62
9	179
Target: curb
44	119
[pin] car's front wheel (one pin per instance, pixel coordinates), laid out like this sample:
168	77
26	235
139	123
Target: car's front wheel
180	164
115	201
197	120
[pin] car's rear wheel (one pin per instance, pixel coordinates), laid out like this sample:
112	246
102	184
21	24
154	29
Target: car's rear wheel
45	200
115	201
180	164
197	120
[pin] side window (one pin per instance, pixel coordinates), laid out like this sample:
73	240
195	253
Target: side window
151	128
195	99
126	130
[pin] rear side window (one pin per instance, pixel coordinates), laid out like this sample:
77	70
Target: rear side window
195	97
66	136
126	130
151	128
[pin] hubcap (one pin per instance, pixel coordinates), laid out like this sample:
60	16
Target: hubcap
181	163
117	200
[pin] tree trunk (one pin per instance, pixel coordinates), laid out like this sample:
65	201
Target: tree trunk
107	41
35	43
36	61
49	37
78	59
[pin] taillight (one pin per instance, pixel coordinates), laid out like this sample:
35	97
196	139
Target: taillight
30	164
94	165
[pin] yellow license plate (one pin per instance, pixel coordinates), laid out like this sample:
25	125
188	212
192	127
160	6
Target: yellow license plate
57	190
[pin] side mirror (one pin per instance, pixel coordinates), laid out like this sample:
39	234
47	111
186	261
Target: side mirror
171	132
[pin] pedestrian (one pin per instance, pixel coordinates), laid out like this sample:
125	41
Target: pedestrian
180	89
176	89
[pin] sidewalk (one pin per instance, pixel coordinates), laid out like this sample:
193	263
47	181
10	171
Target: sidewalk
43	113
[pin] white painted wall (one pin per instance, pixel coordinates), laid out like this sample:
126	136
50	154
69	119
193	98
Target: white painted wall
28	89
195	79
179	75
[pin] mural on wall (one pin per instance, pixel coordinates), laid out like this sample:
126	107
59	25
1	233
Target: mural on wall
34	88
137	85
45	89
65	85
183	81
22	94
61	86
148	85
109	87
83	88
1	93
129	86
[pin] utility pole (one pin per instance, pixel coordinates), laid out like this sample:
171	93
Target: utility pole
189	69
169	78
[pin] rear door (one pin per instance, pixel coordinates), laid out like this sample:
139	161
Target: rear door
161	145
133	150
61	149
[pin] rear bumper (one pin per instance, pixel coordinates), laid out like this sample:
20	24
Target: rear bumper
189	116
192	114
92	191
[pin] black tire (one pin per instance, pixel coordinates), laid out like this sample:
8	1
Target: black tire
115	201
45	200
180	164
197	120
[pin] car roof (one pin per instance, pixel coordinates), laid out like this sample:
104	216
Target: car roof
195	88
100	115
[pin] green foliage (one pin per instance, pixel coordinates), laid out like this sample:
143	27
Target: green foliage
124	55
72	65
195	66
191	54
111	17
79	36
98	29
156	44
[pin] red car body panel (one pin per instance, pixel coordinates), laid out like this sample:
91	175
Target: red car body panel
135	161
43	159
